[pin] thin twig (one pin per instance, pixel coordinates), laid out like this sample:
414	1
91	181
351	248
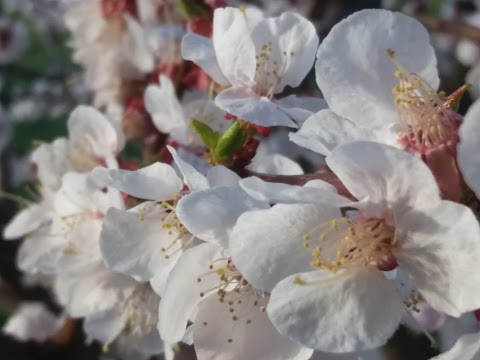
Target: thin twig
323	173
455	28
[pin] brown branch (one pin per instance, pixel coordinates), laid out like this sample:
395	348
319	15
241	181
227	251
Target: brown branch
455	28
323	173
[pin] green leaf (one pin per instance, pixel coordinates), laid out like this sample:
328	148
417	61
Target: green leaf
207	134
27	134
230	141
132	150
189	8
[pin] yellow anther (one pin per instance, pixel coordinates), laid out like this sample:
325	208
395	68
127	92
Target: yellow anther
242	9
299	281
334	224
351	231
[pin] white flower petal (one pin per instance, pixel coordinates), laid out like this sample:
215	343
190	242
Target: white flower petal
32	321
244	103
131	241
354	72
267	245
274	164
466	348
258	339
211	214
195	160
233	46
90	132
444	245
134	44
28	220
385	175
293	41
80	249
158	181
183	290
97	290
468	159
160	279
455	328
300	108
325	130
37	254
343	312
164	107
104	325
52	162
222	176
76	196
321	193
199	49
194	180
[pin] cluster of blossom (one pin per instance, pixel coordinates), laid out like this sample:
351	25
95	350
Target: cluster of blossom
217	238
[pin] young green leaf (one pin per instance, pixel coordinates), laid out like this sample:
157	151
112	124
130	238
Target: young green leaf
207	134
230	141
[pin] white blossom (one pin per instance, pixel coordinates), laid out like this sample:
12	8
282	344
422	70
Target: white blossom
255	59
346	303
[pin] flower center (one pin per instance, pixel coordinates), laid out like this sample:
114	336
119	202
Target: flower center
424	120
140	319
230	279
352	242
176	237
234	292
268	72
139	312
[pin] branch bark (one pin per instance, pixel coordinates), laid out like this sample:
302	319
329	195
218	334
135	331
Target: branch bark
323	173
455	28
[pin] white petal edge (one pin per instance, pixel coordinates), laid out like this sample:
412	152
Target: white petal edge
467	149
155	182
199	49
344	312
